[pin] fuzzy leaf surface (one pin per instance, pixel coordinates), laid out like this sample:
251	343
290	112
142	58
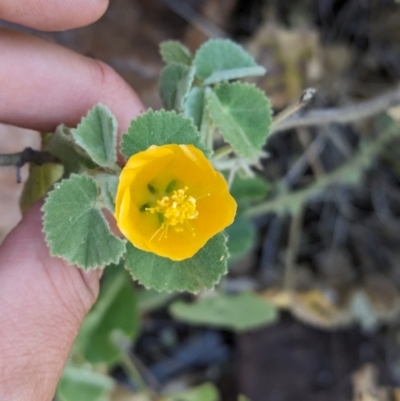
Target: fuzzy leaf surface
242	113
173	51
236	73
114	312
62	145
108	189
174	85
221	56
97	135
194	106
241	312
75	228
160	128
201	272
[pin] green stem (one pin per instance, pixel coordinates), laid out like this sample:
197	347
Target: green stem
209	138
222	151
132	372
347	173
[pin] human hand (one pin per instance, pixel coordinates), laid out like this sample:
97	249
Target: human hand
43	300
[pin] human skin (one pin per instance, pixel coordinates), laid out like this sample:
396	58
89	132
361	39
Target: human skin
43	300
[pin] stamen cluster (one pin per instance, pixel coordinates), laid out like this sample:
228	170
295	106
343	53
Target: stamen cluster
176	209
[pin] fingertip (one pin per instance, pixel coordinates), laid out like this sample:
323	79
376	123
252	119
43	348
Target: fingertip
65	85
53	15
115	92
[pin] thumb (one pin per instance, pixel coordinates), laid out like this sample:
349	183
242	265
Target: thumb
43	302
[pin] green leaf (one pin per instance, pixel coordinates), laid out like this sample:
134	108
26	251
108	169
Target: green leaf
160	128
194	106
242	237
243	398
174	85
75	228
247	190
62	145
151	300
223	59
80	383
242	312
201	272
236	73
114	312
108	189
205	392
242	113
97	135
173	51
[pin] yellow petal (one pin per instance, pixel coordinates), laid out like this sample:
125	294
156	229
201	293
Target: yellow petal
144	182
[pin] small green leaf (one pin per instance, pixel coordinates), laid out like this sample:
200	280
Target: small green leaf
243	398
174	85
73	157
115	311
201	272
160	128
236	73
97	135
173	51
242	237
242	113
108	189
151	300
222	58
81	383
75	228
242	312
205	392
194	106
247	190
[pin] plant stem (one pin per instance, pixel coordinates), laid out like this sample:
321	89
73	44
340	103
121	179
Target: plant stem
132	372
342	115
304	99
289	202
222	151
289	280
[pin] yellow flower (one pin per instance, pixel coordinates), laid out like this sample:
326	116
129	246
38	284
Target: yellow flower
170	201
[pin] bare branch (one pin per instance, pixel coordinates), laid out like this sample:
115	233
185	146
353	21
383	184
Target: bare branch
28	155
342	115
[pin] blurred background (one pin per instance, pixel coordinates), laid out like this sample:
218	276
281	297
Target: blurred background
338	338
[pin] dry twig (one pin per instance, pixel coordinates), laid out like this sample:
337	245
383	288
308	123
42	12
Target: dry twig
342	115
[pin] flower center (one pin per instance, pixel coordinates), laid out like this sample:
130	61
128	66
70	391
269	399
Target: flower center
177	209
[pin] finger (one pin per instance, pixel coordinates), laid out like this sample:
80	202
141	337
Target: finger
52	15
43	84
42	304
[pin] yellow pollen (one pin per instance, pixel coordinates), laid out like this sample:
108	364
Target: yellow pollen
177	210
